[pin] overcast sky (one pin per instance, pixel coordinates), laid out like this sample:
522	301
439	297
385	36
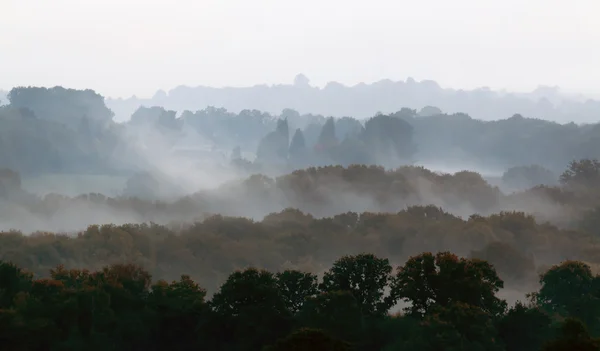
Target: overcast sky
125	47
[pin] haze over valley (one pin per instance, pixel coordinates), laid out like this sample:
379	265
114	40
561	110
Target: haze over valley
267	176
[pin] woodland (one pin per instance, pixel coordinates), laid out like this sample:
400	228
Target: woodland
330	238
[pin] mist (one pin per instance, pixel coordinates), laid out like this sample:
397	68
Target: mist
187	171
268	175
253	163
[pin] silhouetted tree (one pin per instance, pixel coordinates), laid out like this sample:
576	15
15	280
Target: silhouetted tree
366	277
571	290
427	281
295	287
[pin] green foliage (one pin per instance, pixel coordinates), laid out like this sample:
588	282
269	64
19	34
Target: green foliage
428	281
571	290
12	281
459	326
295	287
524	328
118	307
366	277
178	307
250	289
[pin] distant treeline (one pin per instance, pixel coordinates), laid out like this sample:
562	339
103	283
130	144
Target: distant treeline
451	304
208	250
70	131
364	100
321	192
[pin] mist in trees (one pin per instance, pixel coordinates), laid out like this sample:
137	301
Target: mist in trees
413	229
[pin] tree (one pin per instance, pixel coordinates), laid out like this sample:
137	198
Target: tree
40	312
366	277
178	306
295	287
156	117
337	313
524	328
459	327
283	129
327	139
400	332
306	339
427	281
301	81
571	290
573	337
13	280
290	114
95	317
298	151
508	261
347	127
251	307
62	105
273	148
584	172
353	151
404	113
389	139
128	287
525	177
429	111
249	289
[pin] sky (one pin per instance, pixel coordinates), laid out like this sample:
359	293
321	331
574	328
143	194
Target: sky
124	47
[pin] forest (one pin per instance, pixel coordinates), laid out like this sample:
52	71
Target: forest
504	281
232	233
73	131
451	304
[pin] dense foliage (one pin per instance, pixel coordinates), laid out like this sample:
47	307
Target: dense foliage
321	192
293	261
451	305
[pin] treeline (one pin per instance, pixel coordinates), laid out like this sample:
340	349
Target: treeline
364	100
72	131
60	130
451	303
401	137
322	192
515	243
